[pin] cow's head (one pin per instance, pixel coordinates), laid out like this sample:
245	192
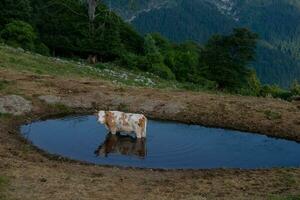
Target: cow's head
101	116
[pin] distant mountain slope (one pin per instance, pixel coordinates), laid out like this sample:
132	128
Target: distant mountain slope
276	21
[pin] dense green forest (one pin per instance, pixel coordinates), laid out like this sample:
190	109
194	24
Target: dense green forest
78	29
276	21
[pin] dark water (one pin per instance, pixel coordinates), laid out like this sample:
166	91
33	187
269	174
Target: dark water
168	145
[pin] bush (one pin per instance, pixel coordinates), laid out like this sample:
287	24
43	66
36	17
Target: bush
275	91
252	87
204	83
295	88
271	115
128	60
19	34
99	66
42	49
162	71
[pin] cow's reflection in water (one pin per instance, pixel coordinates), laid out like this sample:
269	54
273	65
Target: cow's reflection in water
124	145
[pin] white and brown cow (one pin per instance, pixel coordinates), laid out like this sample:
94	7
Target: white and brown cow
116	121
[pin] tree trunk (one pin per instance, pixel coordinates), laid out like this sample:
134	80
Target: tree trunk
92	59
92	5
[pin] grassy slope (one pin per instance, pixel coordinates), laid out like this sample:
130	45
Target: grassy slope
20	60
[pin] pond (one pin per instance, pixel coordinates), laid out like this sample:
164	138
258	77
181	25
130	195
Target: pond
169	145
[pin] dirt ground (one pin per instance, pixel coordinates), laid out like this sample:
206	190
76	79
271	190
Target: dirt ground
33	174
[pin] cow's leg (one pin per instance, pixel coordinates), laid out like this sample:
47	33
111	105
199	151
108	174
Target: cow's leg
113	131
138	133
143	128
144	133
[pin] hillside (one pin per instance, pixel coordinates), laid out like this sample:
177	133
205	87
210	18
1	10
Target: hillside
56	87
28	62
276	21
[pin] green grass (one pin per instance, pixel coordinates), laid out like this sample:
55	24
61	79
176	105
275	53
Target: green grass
59	107
271	115
5	115
3	185
3	84
16	59
7	87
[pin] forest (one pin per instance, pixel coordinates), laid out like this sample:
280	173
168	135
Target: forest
72	29
276	21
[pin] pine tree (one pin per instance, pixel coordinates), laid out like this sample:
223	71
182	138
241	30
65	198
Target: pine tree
226	58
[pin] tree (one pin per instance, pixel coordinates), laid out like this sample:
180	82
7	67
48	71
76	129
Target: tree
152	51
92	5
73	28
14	10
186	62
226	58
154	59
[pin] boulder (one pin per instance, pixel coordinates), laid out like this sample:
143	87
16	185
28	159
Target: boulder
15	105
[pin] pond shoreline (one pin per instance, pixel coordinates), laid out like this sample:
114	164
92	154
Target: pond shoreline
42	174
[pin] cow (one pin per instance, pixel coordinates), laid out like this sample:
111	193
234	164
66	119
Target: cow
116	121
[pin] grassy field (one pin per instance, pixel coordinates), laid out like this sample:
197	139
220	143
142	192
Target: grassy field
21	60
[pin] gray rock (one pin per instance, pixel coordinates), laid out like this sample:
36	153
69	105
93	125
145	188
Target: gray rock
50	99
13	104
72	102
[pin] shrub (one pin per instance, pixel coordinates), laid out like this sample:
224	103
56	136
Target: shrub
271	115
275	91
253	86
162	71
99	66
42	49
295	88
19	34
128	60
204	83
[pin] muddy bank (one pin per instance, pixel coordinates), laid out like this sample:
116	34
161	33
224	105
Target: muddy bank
266	116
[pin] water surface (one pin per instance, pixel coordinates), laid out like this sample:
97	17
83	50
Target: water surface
168	145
